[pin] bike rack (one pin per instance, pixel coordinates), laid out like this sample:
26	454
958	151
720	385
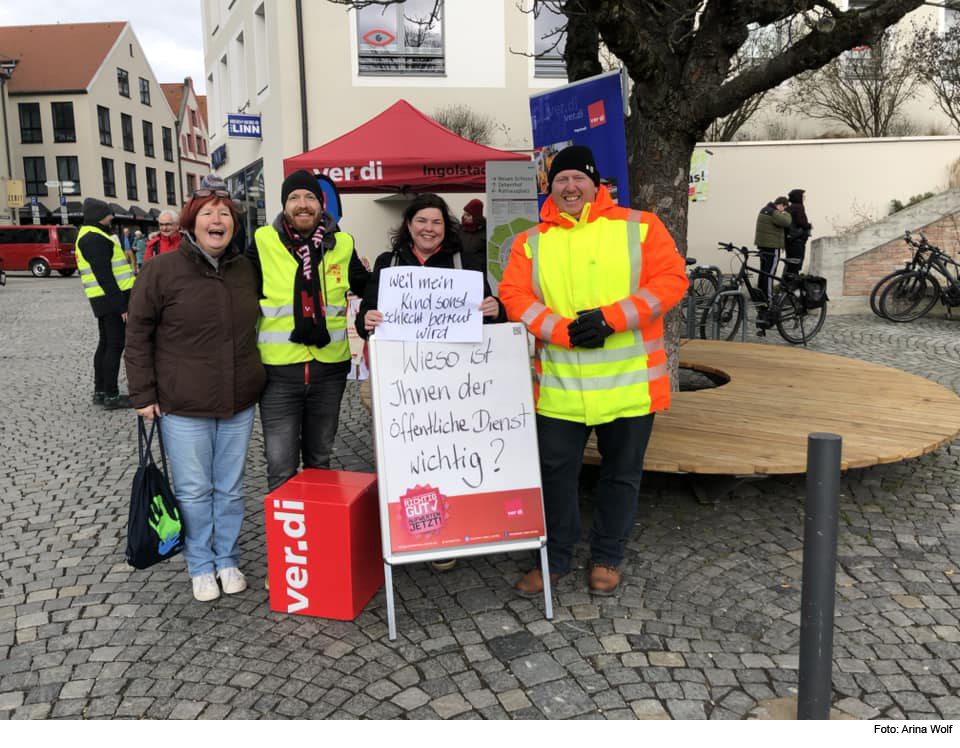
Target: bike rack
690	301
741	304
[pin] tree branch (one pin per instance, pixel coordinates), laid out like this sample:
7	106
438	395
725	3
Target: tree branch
814	50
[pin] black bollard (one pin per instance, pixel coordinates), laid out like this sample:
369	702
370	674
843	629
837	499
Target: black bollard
819	576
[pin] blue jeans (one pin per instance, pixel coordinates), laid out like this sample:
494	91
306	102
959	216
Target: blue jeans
207	457
622	444
299	412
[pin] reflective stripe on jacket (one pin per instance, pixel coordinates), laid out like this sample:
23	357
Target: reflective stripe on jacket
620	261
279	269
122	271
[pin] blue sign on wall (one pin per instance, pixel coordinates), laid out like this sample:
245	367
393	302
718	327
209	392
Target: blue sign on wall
243	126
219	156
590	113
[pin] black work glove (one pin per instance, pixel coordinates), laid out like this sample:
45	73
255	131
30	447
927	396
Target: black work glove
589	329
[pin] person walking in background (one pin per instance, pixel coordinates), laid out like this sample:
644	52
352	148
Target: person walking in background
107	279
126	244
797	232
769	238
304	266
426	237
139	247
473	235
192	362
168	237
592	282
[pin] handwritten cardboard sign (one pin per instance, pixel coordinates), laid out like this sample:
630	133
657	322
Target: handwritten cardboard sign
420	303
455	430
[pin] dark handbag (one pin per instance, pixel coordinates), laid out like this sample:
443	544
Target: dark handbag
813	291
154	527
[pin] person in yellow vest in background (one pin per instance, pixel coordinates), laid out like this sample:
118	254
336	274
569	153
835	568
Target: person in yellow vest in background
107	279
305	265
592	282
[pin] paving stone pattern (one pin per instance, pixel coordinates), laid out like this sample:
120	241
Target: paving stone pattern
704	626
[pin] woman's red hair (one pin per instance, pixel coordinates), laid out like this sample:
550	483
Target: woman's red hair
188	216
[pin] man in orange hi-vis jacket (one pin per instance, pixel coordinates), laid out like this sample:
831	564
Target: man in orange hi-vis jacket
592	282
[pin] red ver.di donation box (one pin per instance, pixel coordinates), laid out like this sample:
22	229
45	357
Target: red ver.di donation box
323	543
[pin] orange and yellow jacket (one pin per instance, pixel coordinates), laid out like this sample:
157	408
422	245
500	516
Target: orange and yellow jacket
623	262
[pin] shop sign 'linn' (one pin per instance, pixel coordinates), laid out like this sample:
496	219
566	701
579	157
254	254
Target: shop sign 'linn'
244	126
295	571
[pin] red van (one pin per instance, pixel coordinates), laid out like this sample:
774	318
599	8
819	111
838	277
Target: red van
39	249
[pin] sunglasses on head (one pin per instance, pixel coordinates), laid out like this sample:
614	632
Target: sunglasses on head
207	193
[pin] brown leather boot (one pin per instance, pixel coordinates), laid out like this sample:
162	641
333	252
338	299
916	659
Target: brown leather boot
531	583
604	579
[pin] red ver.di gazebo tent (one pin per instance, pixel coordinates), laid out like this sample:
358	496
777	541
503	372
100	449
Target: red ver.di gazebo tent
401	149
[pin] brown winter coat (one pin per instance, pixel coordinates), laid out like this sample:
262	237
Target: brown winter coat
192	334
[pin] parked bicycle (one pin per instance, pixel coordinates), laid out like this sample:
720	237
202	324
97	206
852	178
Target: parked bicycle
702	283
921	252
797	308
912	294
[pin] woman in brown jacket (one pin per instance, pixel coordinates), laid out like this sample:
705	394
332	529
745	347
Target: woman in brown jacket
192	361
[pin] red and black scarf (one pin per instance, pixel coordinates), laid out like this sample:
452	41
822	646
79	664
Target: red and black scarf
309	318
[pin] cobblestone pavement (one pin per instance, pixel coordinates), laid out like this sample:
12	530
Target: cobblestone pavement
705	625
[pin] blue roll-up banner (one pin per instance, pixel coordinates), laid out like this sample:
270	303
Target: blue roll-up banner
331	196
588	112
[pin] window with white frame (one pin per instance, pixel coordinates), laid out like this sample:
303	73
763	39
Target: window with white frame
863	62
261	58
401	39
238	70
224	90
549	42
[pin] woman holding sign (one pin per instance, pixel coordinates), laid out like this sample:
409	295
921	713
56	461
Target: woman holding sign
427	237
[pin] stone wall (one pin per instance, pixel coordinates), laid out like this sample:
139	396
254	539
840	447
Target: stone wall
853	263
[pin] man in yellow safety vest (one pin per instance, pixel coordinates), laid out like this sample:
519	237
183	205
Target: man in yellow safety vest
107	279
305	265
591	282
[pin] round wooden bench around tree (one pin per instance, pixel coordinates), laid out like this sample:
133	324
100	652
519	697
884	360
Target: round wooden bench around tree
757	422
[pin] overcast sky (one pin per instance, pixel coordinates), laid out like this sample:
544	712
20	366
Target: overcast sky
169	31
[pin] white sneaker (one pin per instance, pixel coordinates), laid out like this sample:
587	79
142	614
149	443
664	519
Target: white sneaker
232	580
205	587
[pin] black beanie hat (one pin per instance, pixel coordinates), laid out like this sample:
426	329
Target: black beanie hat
577	157
300	180
95	211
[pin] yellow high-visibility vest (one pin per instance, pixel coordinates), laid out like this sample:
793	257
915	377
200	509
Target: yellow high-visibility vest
591	265
279	269
122	271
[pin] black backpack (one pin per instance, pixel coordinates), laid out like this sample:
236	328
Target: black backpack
154	525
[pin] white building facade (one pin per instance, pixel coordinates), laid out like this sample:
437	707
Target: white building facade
112	135
192	137
355	65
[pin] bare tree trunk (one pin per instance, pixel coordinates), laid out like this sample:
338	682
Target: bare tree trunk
658	159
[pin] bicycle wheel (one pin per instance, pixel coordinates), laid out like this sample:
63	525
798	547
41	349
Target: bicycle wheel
721	318
795	323
702	286
880	287
909	297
